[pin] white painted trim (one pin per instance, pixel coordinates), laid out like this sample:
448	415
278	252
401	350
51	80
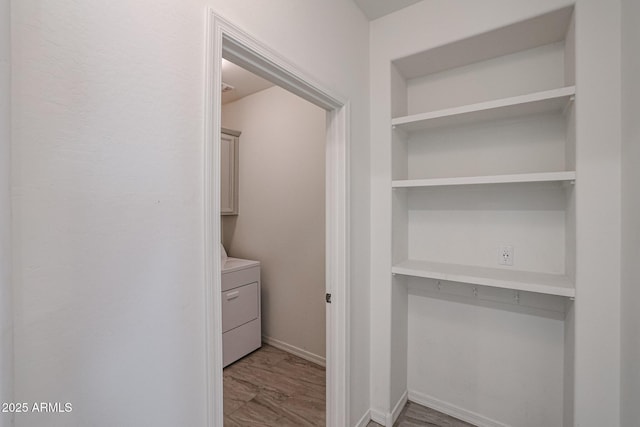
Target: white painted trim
364	420
393	415
225	39
453	410
240	49
297	351
243	50
212	273
378	416
337	266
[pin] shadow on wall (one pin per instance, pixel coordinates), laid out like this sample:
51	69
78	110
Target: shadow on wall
228	224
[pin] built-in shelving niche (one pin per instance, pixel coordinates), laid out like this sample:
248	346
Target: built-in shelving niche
483	155
500	121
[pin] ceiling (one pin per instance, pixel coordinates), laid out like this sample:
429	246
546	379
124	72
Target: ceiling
244	82
374	9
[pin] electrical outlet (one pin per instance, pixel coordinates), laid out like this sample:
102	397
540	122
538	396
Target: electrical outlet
505	255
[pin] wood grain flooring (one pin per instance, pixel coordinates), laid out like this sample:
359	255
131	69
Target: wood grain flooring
271	387
414	415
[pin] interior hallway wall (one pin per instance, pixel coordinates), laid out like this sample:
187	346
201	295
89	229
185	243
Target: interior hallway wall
630	214
6	313
108	123
281	220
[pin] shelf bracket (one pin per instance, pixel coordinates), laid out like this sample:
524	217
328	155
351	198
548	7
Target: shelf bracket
569	102
516	297
475	291
439	285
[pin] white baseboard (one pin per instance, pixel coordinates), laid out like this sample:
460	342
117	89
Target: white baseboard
390	417
364	420
306	355
453	410
378	416
393	416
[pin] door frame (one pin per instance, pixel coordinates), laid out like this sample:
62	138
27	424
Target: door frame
224	39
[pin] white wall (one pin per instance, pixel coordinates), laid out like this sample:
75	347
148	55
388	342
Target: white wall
437	22
630	214
597	192
501	78
281	220
6	316
108	196
476	356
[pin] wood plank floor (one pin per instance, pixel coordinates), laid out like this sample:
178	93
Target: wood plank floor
270	387
273	388
414	415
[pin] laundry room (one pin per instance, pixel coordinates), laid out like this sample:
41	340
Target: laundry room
273	233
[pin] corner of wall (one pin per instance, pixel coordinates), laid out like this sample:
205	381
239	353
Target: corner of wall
6	312
630	270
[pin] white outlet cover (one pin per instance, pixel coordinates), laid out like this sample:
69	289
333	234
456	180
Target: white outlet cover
505	255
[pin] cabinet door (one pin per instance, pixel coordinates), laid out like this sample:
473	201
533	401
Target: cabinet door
228	175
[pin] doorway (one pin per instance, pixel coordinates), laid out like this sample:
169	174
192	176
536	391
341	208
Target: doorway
276	178
224	40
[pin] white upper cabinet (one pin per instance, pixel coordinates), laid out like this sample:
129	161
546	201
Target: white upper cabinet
229	172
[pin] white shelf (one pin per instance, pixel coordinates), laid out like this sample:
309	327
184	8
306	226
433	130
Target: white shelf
532	103
543	283
538	31
490	179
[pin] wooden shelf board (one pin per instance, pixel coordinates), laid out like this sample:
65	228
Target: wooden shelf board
543	283
489	179
532	103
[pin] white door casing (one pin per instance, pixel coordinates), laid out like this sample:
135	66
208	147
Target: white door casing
226	40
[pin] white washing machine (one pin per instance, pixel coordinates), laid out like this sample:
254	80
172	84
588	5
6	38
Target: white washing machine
241	327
